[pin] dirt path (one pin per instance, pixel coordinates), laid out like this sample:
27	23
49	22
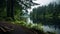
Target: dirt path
15	29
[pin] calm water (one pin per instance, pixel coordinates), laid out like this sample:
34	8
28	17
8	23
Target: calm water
46	28
51	28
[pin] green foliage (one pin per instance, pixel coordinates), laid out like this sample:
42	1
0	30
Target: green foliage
13	8
30	25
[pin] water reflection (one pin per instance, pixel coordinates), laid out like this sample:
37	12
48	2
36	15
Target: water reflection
50	28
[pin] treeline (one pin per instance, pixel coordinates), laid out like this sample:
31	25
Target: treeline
47	14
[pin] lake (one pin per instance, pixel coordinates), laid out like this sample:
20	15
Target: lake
51	28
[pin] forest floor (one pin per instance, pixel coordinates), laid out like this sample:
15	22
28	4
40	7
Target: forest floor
9	28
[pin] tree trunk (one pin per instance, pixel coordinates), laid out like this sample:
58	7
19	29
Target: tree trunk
10	8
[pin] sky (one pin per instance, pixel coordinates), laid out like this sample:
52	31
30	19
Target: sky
42	2
45	2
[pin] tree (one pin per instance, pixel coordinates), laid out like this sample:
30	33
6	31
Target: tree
10	8
14	6
2	7
47	14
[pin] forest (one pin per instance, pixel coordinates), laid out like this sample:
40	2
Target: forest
47	14
14	17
